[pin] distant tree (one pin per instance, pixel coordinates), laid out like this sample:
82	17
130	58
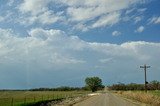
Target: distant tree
94	83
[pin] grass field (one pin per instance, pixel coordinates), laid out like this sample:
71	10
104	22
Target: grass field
17	98
151	97
156	92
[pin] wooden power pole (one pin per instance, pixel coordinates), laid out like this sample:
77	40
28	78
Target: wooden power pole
145	76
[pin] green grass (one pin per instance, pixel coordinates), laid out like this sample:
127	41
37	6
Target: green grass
156	92
17	98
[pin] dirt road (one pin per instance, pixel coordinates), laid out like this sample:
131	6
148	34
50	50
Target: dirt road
107	99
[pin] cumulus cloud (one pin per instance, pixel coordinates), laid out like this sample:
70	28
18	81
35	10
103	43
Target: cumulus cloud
140	29
42	40
53	51
116	33
55	42
154	20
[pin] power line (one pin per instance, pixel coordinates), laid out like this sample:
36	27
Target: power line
145	75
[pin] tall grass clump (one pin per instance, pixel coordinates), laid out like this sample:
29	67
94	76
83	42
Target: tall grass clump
141	96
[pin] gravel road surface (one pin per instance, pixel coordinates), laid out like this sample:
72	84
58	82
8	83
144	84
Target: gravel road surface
107	99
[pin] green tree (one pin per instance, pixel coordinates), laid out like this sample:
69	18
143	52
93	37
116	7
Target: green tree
94	83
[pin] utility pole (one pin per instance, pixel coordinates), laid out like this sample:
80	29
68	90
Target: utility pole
145	75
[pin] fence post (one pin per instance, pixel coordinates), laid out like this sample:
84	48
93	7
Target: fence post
53	96
12	102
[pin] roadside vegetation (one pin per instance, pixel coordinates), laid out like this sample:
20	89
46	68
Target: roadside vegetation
137	92
29	97
153	85
37	96
141	96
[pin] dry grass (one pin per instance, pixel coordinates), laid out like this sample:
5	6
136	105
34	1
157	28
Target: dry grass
140	96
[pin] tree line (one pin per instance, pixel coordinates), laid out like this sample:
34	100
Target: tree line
62	88
92	83
153	85
95	83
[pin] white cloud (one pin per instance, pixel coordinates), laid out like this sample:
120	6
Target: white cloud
2	18
10	2
85	13
154	20
5	18
107	60
140	29
46	53
76	13
39	46
107	20
5	33
116	33
81	27
141	10
47	17
33	6
130	11
54	43
137	19
130	16
37	11
58	59
103	12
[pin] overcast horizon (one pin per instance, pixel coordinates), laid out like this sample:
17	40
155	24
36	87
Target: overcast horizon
52	43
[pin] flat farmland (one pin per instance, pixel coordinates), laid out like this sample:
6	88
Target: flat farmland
18	98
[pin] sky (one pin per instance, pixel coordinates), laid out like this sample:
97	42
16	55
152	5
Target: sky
52	43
